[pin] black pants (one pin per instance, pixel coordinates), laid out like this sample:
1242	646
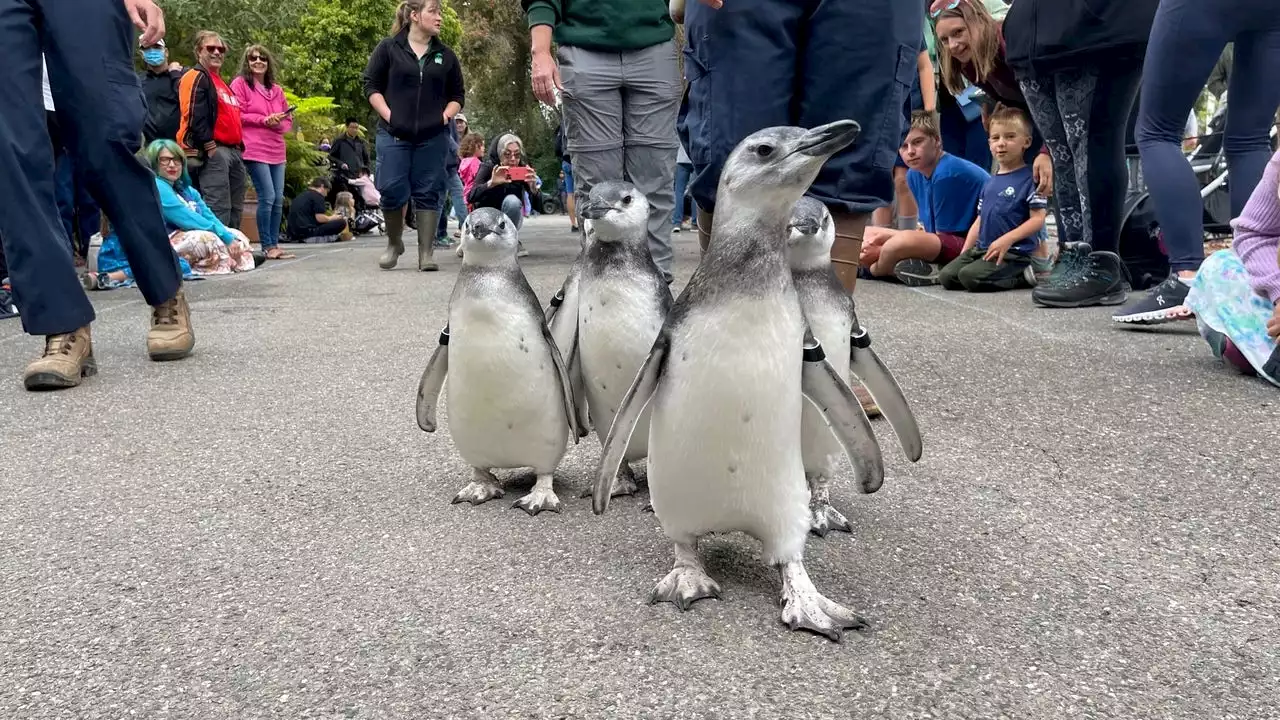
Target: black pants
1083	114
331	228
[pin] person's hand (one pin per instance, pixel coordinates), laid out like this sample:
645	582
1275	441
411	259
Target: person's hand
273	119
446	117
500	176
546	77
996	252
1042	172
874	236
148	18
344	166
175	66
1273	325
386	118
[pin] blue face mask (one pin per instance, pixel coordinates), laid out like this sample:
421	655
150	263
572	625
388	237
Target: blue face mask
153	57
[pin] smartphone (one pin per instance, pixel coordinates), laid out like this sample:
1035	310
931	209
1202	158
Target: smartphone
518	173
289	110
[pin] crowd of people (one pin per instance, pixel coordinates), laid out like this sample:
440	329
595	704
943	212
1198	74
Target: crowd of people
984	123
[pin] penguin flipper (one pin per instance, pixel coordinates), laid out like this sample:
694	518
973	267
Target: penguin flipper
625	421
431	383
562	313
579	387
831	395
566	386
867	367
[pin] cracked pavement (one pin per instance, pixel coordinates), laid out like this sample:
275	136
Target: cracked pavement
262	531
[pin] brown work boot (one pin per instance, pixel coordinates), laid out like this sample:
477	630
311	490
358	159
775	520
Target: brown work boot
704	229
67	359
171	336
847	248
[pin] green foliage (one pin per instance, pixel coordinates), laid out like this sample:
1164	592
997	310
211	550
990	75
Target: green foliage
239	22
312	121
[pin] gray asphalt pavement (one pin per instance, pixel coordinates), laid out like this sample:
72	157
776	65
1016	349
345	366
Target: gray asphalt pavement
262	531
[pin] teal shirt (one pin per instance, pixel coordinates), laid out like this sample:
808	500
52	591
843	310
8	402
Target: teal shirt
603	25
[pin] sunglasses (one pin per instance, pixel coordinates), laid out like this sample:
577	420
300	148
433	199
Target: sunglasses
215	49
257	58
951	6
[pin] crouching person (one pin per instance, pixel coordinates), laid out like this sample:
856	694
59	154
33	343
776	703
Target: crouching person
1011	216
309	221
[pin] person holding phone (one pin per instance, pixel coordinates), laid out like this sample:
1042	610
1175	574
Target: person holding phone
265	117
414	83
505	186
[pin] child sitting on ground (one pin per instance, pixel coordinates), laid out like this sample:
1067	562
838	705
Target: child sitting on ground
344	206
1011	214
1236	293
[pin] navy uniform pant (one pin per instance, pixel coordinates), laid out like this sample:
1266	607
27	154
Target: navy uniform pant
754	64
88	45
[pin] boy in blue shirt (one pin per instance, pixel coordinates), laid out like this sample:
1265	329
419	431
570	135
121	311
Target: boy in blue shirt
1011	215
946	188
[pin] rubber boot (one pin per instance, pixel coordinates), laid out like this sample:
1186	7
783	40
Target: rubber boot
395	245
703	221
427	220
847	248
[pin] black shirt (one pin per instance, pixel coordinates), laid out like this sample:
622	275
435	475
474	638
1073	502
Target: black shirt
303	211
416	89
161	92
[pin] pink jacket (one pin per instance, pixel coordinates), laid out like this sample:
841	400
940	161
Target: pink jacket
467	170
261	143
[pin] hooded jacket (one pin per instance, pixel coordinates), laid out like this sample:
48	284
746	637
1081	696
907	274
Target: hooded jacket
417	92
1047	35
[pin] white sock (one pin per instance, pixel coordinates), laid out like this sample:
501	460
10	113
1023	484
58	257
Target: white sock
1187	281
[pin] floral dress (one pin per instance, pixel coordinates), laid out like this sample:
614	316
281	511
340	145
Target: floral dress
1224	302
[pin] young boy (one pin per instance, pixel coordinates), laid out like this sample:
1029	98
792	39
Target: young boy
1011	215
947	188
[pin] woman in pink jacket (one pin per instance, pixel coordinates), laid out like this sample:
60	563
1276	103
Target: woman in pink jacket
264	114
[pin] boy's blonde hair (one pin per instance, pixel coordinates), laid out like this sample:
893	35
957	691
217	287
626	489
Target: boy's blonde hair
345	201
926	123
1011	116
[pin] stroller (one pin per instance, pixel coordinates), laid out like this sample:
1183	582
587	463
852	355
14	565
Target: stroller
368	217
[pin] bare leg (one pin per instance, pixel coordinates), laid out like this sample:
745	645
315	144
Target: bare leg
822	517
803	607
903	245
482	488
540	498
687	582
907	208
571	205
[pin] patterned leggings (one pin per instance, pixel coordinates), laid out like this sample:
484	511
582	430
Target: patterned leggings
1083	114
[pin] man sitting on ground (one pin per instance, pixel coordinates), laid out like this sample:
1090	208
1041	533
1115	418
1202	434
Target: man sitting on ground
946	188
308	221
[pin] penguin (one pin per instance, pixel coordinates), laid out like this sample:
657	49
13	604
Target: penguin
564	329
510	401
622	302
829	308
727	378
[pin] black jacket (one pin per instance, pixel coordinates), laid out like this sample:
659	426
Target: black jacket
161	91
1047	35
491	197
350	150
417	94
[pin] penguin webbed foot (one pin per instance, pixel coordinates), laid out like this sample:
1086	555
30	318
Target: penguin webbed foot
804	608
823	519
541	497
647	507
482	488
687	582
623	484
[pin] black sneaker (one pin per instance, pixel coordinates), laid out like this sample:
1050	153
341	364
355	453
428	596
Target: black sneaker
916	273
1072	259
1165	303
1099	278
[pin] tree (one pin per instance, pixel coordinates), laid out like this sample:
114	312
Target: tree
239	22
327	49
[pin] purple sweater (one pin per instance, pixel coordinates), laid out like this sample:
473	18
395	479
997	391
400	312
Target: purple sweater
1258	233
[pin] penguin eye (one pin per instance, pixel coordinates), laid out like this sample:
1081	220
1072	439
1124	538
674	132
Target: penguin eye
764	151
626	199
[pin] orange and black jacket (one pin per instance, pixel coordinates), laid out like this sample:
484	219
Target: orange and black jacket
198	108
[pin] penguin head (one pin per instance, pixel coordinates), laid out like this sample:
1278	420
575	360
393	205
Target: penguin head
773	167
616	210
488	232
810	233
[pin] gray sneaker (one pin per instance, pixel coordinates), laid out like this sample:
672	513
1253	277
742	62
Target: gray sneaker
916	273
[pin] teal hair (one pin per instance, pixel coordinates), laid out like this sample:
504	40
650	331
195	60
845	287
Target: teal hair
153	159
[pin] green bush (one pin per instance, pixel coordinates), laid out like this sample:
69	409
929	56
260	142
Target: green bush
312	122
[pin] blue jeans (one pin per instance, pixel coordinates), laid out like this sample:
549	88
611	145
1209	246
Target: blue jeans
453	188
513	208
754	64
1186	40
89	46
683	173
411	170
268	181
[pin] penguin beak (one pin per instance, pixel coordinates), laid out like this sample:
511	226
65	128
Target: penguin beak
806	226
594	209
826	140
481	232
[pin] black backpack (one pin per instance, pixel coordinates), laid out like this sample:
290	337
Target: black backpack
1142	244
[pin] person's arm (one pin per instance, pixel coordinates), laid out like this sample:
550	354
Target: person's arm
928	88
1257	239
375	81
542	16
456	91
971	239
215	225
334	155
240	89
193	102
1037	211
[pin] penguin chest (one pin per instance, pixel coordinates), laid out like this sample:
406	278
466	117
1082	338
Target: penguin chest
724	442
506	407
831	325
617	325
